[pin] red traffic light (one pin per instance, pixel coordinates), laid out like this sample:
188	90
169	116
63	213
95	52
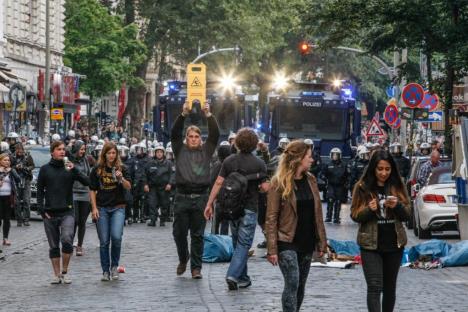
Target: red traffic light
305	47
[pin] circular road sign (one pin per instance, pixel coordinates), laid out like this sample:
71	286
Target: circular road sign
391	114
397	124
412	95
430	101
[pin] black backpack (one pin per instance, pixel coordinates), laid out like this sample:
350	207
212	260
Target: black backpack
232	195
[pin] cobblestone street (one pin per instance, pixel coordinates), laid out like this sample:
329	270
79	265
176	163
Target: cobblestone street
150	282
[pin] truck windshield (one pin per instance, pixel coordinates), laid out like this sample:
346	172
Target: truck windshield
320	123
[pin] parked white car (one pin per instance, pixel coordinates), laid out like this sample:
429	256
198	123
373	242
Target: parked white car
435	206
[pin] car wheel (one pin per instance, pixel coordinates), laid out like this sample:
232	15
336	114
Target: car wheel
423	234
410	223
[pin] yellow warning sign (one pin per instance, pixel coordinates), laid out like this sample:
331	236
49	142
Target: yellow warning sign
196	83
56	114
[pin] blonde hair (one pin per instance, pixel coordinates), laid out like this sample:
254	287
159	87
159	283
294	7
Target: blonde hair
290	160
4	155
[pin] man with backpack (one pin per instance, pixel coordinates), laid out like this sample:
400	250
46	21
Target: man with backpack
241	178
192	161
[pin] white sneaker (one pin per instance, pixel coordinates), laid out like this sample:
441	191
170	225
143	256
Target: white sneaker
105	277
56	280
66	279
114	274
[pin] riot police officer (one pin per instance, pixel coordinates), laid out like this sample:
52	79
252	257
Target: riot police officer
336	175
317	163
24	165
283	142
358	166
159	179
12	139
403	163
424	149
136	169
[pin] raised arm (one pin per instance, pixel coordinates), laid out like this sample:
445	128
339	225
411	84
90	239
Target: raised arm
177	136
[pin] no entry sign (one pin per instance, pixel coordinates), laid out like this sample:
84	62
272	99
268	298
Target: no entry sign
412	95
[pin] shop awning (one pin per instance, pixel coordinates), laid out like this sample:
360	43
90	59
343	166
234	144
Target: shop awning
4	88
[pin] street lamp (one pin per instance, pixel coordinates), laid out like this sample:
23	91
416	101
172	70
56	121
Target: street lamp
280	81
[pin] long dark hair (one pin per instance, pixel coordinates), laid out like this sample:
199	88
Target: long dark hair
369	178
367	188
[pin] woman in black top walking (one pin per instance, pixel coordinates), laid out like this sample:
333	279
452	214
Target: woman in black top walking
294	222
9	179
80	193
109	179
380	205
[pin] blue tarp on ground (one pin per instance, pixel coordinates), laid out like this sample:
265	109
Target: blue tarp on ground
457	256
448	255
435	248
343	247
217	248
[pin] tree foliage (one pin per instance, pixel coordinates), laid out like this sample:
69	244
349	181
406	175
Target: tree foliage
437	28
99	46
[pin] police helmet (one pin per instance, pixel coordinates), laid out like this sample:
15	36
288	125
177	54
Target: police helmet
4	146
123	151
224	143
395	148
141	148
12	135
160	148
97	151
309	142
283	143
71	133
132	150
151	151
94	139
169	144
231	136
101	142
363	152
425	148
56	137
335	153
123	141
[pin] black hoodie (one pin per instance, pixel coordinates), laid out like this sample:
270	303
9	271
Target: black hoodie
55	185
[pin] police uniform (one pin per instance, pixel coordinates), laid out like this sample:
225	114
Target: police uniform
336	175
159	174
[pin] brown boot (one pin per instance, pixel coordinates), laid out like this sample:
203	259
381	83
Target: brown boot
182	267
196	274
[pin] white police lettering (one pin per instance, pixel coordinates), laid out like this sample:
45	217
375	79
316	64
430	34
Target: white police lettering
312	104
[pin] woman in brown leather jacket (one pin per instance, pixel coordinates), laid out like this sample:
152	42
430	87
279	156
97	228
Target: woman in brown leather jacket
380	205
294	221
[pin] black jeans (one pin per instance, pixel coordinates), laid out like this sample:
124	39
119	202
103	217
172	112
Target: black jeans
158	198
295	267
6	210
82	211
381	272
188	215
23	211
